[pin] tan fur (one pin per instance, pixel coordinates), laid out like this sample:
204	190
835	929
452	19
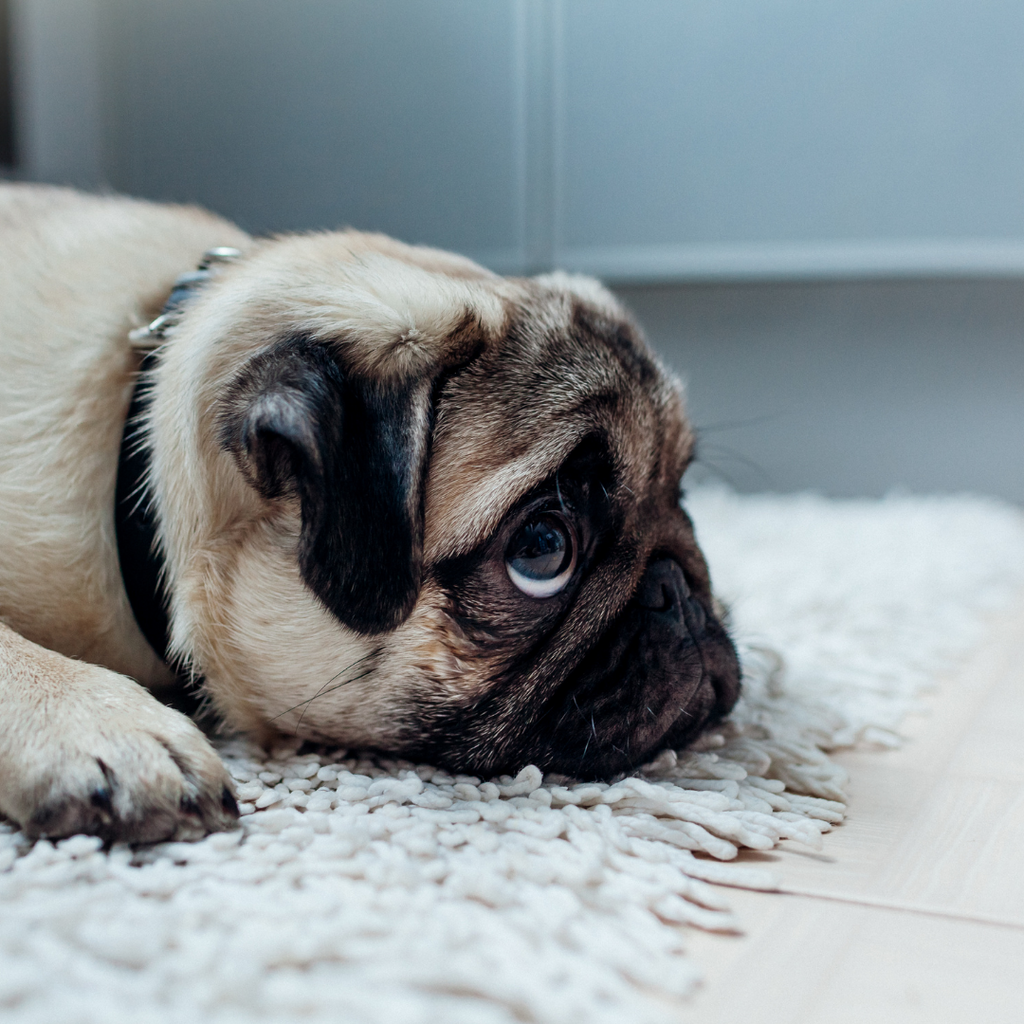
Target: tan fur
70	728
228	566
76	274
231	568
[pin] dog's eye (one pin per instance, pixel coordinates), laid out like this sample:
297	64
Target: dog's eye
541	556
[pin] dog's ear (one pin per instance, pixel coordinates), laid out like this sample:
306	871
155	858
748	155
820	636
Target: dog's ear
354	453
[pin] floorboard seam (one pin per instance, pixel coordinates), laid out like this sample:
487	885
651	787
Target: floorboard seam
911	908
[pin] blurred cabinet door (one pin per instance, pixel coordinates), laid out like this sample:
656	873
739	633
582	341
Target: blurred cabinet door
401	116
636	139
794	134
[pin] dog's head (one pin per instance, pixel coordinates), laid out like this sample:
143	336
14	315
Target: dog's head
409	505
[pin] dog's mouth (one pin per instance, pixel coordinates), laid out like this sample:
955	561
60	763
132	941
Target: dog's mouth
661	673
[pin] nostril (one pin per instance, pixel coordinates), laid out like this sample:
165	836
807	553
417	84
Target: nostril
662	587
697	619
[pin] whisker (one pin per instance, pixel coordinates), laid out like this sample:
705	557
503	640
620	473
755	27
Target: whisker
337	686
586	746
717	471
737	424
558	491
322	690
735	456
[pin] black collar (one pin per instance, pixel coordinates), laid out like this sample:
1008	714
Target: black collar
141	562
142	565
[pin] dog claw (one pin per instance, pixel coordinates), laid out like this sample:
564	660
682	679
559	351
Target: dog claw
228	802
159	790
101	800
190	806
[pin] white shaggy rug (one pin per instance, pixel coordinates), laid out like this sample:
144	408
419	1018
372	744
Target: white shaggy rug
369	891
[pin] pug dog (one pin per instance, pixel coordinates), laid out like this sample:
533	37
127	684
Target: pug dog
361	492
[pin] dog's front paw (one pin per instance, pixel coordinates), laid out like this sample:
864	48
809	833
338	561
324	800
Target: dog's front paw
103	756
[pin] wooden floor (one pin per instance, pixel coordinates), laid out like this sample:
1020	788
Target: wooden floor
915	911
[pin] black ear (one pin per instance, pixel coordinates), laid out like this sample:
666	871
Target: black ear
353	452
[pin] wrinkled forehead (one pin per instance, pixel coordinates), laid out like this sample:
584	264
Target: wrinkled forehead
566	370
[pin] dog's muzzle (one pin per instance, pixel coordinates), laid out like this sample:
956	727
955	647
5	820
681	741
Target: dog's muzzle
664	671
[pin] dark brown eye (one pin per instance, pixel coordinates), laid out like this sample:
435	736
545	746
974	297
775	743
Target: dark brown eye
541	556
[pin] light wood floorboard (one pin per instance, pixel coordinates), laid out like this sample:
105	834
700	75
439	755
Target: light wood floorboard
915	909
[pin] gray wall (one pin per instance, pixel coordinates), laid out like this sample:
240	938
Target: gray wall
398	116
850	388
772	137
638	139
830	194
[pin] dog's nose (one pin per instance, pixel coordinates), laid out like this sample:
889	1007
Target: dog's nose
662	586
663	589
